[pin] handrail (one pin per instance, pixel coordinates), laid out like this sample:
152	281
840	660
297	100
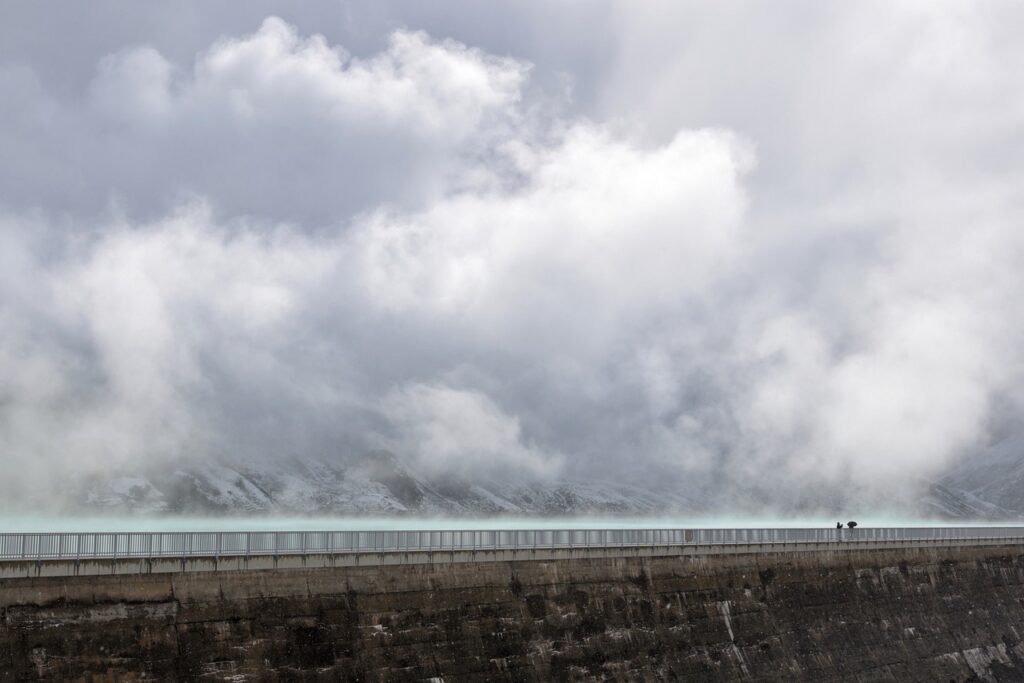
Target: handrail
112	545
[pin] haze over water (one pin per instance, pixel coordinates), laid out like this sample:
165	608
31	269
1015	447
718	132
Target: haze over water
136	523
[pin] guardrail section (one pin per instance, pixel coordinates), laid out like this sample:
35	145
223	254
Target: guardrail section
76	546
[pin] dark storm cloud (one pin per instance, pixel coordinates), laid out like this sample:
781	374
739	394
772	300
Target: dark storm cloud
670	242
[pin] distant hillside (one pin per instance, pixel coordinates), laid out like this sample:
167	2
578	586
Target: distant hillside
993	476
377	485
989	485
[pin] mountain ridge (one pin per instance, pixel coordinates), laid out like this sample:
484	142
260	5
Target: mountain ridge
380	485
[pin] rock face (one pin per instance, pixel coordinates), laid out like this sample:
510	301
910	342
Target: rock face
925	614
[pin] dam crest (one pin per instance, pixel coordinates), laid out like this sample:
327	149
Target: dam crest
882	606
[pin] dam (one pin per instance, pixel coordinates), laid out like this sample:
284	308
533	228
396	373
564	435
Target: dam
896	604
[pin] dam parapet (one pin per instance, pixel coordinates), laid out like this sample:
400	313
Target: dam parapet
866	611
84	554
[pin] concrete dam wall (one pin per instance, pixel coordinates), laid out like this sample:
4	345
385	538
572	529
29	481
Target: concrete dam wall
897	614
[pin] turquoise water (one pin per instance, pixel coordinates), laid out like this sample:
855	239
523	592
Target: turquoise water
42	524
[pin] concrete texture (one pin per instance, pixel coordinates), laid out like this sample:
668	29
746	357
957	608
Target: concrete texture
896	614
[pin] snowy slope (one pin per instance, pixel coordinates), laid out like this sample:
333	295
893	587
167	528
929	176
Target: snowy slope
945	502
377	485
987	486
994	475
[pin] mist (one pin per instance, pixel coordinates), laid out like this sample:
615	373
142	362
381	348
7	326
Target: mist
770	259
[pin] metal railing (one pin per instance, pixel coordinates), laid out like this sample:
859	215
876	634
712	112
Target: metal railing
77	546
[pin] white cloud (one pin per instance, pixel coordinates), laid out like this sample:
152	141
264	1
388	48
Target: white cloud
416	244
600	232
462	433
439	92
107	365
269	124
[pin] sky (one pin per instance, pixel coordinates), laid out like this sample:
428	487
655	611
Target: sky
734	248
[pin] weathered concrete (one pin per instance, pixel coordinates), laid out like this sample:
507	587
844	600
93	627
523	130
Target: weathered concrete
925	613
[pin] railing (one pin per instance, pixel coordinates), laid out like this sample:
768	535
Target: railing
75	546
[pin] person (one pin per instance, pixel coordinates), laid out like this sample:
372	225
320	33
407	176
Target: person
839	525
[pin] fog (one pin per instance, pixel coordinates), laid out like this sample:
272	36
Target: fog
768	253
157	524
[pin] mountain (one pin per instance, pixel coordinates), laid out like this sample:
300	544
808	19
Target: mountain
945	502
988	486
378	484
994	476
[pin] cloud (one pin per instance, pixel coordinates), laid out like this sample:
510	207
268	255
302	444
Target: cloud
734	266
109	356
202	339
462	433
270	124
600	232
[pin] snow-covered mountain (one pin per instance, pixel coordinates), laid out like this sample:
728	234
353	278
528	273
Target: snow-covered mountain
376	485
989	485
945	502
994	476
